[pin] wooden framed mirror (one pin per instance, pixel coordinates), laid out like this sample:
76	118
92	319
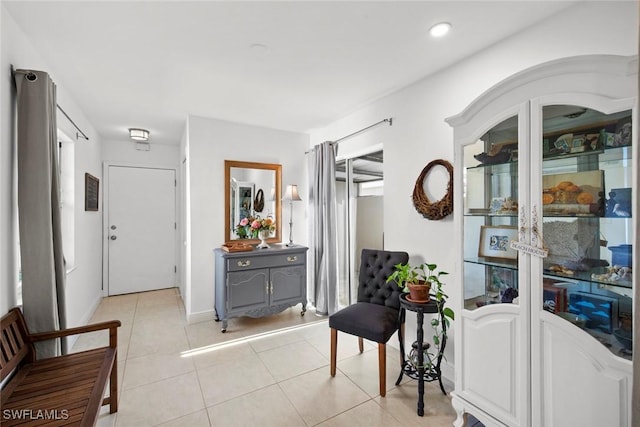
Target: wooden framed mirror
252	189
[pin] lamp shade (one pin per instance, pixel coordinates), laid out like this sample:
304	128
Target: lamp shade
139	134
291	193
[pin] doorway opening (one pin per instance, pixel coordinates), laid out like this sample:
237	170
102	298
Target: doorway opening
360	197
140	229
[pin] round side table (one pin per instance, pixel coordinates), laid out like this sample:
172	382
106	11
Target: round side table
422	373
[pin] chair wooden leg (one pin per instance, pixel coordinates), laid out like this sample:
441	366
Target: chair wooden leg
334	350
382	367
113	388
360	344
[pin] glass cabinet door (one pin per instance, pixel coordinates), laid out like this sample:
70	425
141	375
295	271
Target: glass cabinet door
490	217
587	221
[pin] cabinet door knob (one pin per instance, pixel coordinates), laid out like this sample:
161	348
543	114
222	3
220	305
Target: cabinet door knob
292	258
246	263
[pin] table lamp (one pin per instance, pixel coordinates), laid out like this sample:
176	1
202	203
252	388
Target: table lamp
291	195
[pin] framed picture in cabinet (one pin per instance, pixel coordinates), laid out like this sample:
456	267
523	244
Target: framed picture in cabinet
575	193
495	242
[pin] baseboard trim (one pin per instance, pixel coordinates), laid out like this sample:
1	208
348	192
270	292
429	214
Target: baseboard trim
202	316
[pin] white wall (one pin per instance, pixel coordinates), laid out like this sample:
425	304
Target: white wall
124	152
84	284
419	133
210	143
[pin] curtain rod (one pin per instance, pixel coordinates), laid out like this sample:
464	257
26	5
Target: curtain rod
27	73
339	140
78	135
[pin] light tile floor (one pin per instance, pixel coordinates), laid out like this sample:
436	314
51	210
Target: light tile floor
176	374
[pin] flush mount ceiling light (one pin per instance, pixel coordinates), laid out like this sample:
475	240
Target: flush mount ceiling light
139	134
440	29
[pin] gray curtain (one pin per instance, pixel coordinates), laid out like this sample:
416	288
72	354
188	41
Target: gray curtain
323	235
43	269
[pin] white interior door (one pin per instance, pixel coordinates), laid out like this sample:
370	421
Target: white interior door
141	228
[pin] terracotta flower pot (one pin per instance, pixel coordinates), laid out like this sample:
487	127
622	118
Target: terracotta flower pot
419	292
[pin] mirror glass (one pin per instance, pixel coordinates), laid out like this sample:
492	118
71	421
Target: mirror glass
252	191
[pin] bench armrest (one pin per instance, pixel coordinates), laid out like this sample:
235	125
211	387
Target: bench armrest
112	325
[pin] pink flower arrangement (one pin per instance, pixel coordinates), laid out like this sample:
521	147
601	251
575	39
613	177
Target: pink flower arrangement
249	227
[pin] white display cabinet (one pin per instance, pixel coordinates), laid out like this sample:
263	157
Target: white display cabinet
545	166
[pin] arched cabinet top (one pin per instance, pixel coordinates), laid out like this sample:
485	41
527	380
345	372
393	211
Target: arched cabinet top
604	75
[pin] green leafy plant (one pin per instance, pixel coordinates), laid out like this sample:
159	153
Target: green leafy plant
440	324
417	274
428	273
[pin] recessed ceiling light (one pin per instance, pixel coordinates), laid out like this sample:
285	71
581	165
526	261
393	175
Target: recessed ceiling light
259	48
440	29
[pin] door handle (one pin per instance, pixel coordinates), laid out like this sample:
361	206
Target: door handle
113	237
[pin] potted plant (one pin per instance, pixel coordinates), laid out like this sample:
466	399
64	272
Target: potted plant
416	279
440	326
426	277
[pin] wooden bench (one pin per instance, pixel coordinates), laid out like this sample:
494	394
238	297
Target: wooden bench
62	390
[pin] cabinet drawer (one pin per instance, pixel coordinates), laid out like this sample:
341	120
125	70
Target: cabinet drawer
279	260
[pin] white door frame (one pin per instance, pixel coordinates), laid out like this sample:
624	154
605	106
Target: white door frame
105	216
351	249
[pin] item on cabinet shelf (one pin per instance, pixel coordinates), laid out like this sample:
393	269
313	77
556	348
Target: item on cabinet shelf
580	320
624	337
570	244
577	144
621	138
508	295
592	141
499	153
554	297
441	208
601	312
614	274
578	193
480	211
621	255
494	242
560	269
237	247
503	206
619	203
564	143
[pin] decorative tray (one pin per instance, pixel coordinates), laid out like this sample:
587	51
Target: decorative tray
237	247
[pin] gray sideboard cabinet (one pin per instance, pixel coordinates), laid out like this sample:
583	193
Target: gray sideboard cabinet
260	282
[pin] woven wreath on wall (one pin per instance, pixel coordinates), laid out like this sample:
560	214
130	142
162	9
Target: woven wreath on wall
438	209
